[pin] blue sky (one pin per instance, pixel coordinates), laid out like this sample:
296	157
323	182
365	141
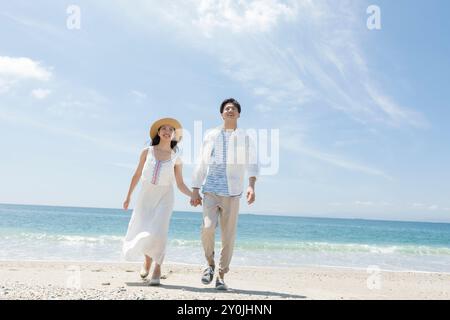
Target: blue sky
362	114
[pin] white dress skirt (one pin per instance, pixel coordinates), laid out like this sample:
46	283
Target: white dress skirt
149	224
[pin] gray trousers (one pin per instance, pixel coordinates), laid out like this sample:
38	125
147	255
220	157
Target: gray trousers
226	210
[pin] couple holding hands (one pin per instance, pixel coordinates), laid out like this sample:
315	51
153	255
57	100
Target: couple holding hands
227	153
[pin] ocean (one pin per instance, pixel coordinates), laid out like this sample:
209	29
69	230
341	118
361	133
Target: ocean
29	232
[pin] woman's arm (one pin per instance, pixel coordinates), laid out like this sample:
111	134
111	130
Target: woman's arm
136	176
180	182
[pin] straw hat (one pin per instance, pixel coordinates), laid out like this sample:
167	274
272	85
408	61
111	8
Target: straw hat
169	122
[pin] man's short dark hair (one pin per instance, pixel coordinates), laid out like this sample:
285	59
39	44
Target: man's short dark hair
230	100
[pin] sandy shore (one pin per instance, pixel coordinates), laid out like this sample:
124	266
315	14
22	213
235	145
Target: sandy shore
94	280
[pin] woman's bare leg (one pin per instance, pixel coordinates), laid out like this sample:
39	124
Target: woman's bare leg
148	262
157	271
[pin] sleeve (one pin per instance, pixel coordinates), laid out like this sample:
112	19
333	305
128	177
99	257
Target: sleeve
148	150
253	167
201	166
178	156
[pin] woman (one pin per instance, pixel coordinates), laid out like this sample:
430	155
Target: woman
159	166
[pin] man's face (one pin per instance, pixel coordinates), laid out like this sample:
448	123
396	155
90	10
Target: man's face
230	112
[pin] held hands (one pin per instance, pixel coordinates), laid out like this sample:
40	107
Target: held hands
196	199
250	195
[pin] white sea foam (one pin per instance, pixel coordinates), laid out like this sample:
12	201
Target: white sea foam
299	246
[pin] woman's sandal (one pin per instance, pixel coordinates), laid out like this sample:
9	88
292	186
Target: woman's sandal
144	272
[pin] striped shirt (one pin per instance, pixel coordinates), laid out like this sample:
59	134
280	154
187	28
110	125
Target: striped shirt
242	158
216	179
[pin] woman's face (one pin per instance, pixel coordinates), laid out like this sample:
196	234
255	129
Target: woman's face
166	132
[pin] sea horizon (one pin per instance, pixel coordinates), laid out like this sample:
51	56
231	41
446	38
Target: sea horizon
247	213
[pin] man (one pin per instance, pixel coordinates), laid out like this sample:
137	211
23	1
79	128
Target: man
227	153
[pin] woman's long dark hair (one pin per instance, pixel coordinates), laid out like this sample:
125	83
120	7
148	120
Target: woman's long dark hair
157	139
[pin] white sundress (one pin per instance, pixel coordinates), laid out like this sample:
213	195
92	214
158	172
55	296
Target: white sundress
149	224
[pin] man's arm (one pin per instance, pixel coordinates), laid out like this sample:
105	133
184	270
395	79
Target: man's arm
199	174
252	169
251	190
200	169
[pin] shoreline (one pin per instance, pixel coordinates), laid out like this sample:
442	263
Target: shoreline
88	280
193	265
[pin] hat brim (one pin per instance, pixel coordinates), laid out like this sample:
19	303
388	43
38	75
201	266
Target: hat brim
167	122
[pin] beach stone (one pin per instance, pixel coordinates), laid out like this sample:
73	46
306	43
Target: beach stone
106	283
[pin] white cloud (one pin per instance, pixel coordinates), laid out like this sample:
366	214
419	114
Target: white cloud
394	112
41	25
23	68
418	205
293	140
263	108
138	95
364	203
288	53
5	85
343	163
103	141
14	70
430	207
240	16
85	105
40	93
347	142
